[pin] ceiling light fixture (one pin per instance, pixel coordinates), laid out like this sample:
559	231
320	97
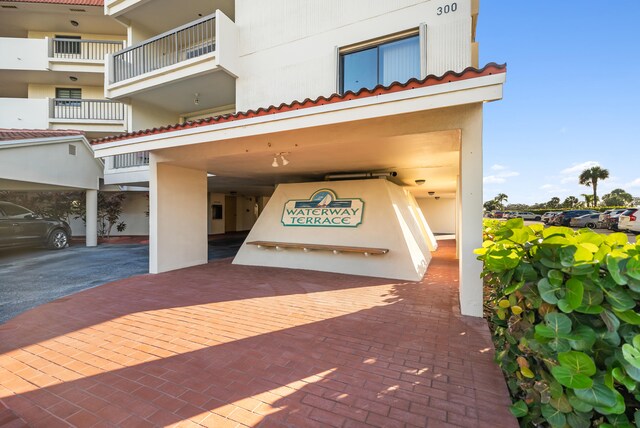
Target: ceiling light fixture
420	182
283	160
432	193
196	100
73	78
74	23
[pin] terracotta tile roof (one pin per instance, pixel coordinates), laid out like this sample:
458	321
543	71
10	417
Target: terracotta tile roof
27	134
431	80
70	2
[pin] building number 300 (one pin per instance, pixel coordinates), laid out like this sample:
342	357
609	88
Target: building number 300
447	9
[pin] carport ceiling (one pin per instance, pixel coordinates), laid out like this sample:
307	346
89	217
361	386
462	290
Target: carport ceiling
367	146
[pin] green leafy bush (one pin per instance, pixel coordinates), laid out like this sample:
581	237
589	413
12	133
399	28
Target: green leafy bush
563	309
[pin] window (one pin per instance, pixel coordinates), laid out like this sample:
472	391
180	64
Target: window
67	45
14	211
385	63
63	94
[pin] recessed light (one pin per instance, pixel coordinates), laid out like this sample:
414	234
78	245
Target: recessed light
420	182
73	78
74	23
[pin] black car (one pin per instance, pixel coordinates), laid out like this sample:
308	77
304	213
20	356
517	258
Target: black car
564	218
20	227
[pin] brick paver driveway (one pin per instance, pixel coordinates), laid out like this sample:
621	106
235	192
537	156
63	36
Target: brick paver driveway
222	345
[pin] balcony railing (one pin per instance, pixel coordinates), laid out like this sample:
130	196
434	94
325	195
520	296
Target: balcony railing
129	160
82	49
180	44
66	108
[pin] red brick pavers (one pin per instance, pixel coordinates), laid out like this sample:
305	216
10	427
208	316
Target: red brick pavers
225	346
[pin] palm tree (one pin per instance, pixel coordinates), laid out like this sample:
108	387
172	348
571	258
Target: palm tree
589	177
501	199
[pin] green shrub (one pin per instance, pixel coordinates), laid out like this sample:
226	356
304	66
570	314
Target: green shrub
563	310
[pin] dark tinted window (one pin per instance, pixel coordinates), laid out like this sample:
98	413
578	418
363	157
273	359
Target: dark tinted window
11	210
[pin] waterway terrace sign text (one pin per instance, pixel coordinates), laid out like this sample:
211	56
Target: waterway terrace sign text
323	209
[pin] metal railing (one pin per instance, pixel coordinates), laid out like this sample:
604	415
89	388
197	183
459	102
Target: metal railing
83	49
180	44
68	108
129	160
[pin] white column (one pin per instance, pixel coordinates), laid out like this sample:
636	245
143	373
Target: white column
177	217
470	212
91	197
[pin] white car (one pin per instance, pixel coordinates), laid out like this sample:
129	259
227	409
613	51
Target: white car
527	216
629	220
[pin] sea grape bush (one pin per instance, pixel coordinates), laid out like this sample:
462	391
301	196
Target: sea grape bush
563	310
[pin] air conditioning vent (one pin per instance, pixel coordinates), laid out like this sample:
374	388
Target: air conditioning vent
6	6
77	10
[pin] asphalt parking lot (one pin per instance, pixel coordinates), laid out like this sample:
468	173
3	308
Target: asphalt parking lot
33	276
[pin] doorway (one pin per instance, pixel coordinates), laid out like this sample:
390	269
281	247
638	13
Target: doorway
230	214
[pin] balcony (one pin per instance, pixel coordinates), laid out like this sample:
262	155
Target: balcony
127	169
56	54
177	64
95	117
80	55
130	160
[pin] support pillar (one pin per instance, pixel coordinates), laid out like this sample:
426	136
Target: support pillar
91	198
177	217
470	213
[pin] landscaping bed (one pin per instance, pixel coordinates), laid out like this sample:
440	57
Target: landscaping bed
562	306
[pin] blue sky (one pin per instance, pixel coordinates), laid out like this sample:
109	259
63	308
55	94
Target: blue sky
572	97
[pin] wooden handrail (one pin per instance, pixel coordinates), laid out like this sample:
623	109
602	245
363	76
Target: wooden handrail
320	247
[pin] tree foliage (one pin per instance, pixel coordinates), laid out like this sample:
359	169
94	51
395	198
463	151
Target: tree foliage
590	177
563	308
617	197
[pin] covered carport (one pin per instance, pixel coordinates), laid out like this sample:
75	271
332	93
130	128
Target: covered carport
52	160
429	132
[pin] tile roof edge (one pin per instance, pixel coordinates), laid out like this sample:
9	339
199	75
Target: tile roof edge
449	76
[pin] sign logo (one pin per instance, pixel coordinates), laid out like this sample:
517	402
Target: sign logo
323	209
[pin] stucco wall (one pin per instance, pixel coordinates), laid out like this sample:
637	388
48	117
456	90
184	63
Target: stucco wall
23	113
134	215
440	214
144	116
49	91
216	226
270	74
23	54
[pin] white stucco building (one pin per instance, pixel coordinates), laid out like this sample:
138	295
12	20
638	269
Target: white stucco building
232	98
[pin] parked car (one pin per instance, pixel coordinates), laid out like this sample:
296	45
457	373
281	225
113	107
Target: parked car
20	227
587	220
602	220
611	221
548	215
564	218
509	214
629	220
526	215
498	214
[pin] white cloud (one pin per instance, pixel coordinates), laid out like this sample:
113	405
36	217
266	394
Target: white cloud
500	176
578	168
634	183
493	179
